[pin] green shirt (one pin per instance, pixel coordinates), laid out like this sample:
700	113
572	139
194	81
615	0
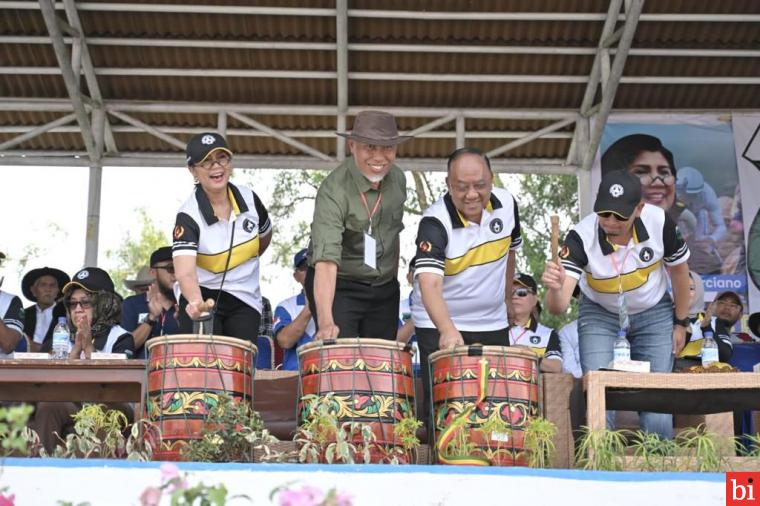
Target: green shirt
340	221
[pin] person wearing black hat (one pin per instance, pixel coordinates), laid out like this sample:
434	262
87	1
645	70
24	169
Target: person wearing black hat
150	314
352	283
11	322
621	256
293	324
221	232
43	286
93	308
525	329
753	323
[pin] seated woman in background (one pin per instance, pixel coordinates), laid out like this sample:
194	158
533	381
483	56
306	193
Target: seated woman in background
701	322
93	309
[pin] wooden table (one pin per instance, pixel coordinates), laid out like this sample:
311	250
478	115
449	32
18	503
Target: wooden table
675	393
74	380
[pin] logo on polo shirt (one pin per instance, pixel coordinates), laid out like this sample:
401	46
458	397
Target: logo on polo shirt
496	226
616	190
248	225
535	339
208	139
646	254
179	231
83	275
425	247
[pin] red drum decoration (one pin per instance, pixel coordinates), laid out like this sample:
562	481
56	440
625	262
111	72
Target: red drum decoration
483	398
186	375
370	380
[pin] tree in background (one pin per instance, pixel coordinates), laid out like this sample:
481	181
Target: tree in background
540	197
134	253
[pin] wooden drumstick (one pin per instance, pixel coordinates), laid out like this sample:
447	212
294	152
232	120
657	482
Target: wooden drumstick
555	237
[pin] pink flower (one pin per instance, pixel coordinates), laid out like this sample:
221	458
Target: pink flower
151	496
169	471
343	500
313	493
7	500
295	498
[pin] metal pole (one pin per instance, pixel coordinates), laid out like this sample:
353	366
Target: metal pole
341	39
535	135
609	26
461	131
221	123
149	129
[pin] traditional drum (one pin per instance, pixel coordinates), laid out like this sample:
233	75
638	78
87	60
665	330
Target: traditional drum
483	398
186	375
370	381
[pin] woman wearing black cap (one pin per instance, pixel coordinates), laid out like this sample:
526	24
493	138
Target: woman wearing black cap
220	233
93	309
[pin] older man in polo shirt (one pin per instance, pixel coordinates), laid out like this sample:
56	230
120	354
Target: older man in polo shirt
354	250
621	256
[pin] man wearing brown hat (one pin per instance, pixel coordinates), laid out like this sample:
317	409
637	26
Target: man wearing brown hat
351	282
43	287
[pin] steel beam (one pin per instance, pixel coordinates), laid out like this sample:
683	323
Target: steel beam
35	131
69	79
616	72
280	136
156	132
526	139
341	58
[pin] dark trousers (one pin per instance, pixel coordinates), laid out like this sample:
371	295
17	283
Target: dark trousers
232	316
359	309
427	341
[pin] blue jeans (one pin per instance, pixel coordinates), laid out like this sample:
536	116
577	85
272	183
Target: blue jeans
651	338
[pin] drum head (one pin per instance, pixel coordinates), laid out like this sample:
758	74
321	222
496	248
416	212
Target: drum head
196	339
352	342
491	351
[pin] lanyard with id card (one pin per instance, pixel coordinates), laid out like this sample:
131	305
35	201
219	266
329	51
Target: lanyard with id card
370	245
622	302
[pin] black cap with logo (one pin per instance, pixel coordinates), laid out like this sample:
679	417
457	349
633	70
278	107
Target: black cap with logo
619	193
202	145
92	279
527	281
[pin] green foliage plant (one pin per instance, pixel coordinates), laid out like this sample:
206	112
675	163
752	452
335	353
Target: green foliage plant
232	432
16	439
460	445
99	433
539	442
706	450
653	453
495	429
601	450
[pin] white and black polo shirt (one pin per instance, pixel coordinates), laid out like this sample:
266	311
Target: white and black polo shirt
198	232
695	338
471	257
540	339
12	313
588	256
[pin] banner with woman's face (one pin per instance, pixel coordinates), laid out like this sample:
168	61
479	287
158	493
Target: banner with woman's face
687	166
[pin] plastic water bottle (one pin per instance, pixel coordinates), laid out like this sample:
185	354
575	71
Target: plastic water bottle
709	349
61	339
622	348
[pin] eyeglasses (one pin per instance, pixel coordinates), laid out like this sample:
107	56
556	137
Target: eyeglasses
648	179
167	268
607	214
223	160
86	304
522	292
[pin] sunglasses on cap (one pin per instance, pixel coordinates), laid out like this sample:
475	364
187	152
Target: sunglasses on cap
522	292
607	214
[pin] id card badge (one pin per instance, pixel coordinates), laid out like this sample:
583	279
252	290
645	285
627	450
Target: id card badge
370	251
623	311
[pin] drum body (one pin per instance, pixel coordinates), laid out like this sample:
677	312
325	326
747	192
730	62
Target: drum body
186	375
490	393
371	381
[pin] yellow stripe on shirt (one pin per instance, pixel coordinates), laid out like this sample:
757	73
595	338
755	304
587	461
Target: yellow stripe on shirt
241	253
482	254
630	280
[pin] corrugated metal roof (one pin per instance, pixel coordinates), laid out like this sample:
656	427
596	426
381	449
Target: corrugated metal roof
375	92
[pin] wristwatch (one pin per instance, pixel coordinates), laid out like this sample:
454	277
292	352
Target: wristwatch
683	322
149	321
